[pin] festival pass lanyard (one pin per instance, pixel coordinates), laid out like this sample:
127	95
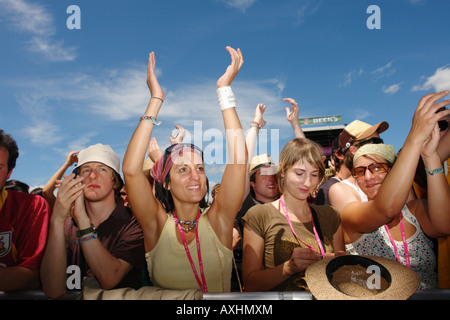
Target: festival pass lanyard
201	283
322	251
405	244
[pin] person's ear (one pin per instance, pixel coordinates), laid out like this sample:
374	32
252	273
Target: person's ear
339	155
353	150
9	174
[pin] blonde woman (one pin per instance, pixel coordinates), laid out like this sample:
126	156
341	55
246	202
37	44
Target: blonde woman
282	238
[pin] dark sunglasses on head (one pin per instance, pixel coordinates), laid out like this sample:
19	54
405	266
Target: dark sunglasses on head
371	140
443	125
374	168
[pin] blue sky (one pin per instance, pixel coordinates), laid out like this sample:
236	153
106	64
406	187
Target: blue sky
63	89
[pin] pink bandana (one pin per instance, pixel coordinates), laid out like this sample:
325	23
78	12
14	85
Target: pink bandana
160	170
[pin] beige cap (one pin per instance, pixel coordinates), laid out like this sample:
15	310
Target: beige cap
358	130
262	161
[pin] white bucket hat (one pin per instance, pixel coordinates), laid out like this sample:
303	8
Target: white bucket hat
99	153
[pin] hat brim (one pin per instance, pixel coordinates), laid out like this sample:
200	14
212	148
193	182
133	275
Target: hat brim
378	128
403	281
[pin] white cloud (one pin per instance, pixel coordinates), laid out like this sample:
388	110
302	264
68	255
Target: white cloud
51	49
384	71
306	10
42	132
392	88
349	77
439	81
417	2
119	95
35	20
383	68
241	5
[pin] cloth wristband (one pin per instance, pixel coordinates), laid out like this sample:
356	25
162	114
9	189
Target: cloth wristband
435	171
226	98
87	238
81	233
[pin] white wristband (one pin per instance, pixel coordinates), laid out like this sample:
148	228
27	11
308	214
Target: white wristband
226	98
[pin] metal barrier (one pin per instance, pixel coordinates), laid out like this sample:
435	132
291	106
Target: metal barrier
433	294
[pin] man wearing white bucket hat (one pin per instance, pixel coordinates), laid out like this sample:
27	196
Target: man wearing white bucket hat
91	228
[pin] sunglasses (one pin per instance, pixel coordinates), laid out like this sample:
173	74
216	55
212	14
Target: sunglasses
374	168
371	140
443	125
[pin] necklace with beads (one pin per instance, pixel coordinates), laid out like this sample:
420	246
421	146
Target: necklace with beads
185	225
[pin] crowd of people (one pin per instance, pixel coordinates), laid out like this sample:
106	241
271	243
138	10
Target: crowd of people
156	230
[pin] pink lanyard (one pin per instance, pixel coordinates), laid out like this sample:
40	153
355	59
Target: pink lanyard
202	283
405	244
322	251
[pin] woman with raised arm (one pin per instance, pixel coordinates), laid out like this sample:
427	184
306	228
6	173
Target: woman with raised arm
387	225
187	246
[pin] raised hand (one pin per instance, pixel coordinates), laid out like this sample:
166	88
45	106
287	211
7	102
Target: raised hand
425	117
179	138
237	60
152	81
258	115
292	113
72	158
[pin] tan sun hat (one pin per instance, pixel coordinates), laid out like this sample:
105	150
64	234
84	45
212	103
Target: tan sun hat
147	166
351	277
263	161
359	130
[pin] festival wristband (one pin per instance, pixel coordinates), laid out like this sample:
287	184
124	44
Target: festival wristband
81	233
435	171
87	238
226	98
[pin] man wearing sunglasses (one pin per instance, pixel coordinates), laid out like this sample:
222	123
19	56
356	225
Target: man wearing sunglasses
354	136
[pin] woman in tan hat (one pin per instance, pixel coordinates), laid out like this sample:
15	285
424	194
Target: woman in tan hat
387	225
283	237
187	246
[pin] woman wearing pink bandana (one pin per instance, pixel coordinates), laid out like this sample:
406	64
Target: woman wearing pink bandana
187	244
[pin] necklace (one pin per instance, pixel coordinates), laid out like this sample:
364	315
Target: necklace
190	224
322	251
202	282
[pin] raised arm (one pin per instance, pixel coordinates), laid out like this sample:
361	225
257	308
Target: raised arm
435	220
250	141
444	146
292	117
50	186
140	195
227	203
368	216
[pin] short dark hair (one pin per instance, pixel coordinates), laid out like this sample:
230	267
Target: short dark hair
7	142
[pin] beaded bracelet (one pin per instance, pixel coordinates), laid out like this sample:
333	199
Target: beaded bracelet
255	124
87	238
435	171
151	119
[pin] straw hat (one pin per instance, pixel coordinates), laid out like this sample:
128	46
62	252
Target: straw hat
351	277
262	161
147	166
